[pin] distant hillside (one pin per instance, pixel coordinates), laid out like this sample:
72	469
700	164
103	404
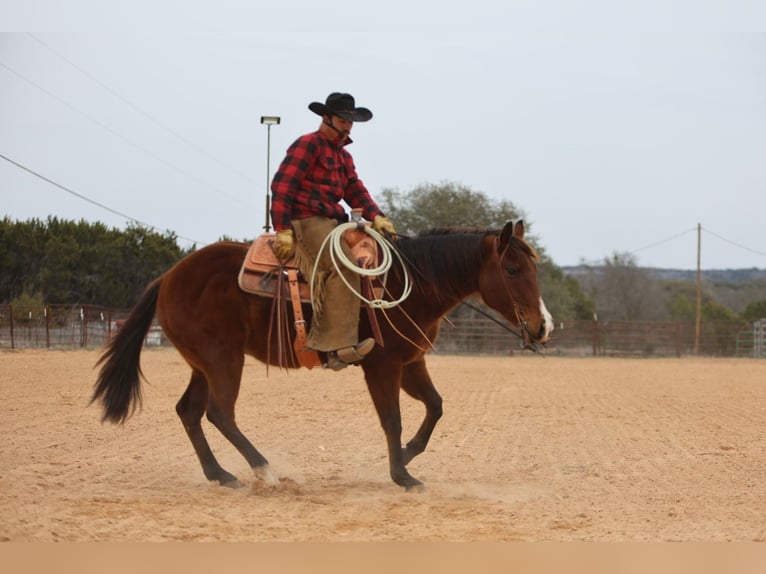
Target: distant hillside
711	275
735	289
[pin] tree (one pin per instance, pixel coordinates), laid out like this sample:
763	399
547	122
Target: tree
563	295
447	204
25	305
81	262
22	245
681	300
681	303
622	291
755	311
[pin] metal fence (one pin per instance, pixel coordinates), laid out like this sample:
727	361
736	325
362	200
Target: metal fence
63	327
759	339
607	339
82	326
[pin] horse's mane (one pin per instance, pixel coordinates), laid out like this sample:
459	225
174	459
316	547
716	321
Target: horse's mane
515	241
457	229
449	257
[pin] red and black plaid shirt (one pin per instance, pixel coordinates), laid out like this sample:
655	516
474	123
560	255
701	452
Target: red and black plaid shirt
314	177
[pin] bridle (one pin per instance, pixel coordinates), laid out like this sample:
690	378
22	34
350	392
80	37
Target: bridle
525	334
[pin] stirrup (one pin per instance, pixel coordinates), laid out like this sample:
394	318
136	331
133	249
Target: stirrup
342	358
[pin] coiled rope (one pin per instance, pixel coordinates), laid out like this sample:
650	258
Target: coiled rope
338	258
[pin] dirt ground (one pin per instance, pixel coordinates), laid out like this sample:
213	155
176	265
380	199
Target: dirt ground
529	449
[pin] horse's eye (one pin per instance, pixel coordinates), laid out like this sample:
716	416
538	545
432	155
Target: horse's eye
511	271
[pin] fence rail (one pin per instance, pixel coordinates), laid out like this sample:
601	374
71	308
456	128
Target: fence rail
83	326
63	327
606	338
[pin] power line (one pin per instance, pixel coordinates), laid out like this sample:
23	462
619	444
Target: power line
96	203
648	246
120	136
676	236
136	108
745	247
661	241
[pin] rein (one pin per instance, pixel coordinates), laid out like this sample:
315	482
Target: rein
524	343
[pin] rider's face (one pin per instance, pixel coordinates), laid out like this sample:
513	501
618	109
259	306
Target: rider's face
343	126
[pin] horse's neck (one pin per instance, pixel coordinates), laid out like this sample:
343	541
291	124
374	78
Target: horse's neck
447	273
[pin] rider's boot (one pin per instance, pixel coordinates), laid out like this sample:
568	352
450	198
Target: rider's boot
342	358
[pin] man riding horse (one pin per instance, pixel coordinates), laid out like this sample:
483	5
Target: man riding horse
315	175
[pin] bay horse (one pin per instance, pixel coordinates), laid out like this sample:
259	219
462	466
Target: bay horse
213	324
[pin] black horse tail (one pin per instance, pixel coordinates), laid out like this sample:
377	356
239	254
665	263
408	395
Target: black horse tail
119	381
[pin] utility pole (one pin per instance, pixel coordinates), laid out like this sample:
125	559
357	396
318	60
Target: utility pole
699	291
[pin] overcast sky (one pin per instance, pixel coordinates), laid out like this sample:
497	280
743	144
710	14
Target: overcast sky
615	126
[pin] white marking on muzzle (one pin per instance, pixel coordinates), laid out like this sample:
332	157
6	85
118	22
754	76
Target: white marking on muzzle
548	318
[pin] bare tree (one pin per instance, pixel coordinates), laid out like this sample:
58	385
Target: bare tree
622	291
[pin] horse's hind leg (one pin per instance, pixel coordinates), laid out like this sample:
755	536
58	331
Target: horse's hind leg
224	390
417	383
190	409
223	419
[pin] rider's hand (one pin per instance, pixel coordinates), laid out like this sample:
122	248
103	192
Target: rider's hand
283	247
382	224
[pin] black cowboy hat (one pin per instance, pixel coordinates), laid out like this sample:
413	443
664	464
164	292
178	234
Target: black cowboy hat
341	105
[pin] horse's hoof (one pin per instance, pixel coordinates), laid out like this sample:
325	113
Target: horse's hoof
265	474
229	483
411	484
418	487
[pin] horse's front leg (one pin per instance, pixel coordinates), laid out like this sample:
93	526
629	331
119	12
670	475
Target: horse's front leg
417	383
383	382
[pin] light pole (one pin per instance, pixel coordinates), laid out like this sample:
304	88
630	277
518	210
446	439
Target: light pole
268	121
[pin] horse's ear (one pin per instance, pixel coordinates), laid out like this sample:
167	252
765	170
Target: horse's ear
505	235
510	230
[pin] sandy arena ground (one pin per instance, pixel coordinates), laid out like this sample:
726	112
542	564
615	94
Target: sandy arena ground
529	449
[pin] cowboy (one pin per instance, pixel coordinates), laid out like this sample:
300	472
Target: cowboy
316	174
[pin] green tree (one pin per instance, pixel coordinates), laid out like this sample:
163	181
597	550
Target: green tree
755	311
26	305
444	205
681	303
713	311
81	262
563	295
22	245
61	265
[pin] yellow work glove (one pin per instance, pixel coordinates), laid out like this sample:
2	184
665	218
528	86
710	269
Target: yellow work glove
283	247
382	224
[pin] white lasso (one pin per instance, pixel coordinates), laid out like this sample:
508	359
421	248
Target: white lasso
339	258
